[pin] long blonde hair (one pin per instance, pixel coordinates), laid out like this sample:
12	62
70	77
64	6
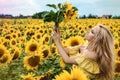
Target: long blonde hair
103	46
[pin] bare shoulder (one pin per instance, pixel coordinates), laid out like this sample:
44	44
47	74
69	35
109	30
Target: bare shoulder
91	55
85	51
84	46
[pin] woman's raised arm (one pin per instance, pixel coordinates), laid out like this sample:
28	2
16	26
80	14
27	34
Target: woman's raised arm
63	51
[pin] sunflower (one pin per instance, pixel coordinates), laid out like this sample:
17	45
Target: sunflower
117	52
41	31
45	39
74	41
11	30
45	51
6	42
32	62
44	77
8	36
54	49
19	34
116	43
14	35
77	74
28	32
32	47
70	12
117	67
22	39
37	36
16	54
3	51
28	77
13	42
5	59
62	64
64	42
63	76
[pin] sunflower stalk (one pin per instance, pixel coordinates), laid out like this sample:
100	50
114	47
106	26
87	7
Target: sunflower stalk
62	13
55	28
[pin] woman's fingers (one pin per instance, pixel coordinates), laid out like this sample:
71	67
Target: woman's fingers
55	35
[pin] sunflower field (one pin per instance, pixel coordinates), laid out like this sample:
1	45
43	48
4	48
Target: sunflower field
26	52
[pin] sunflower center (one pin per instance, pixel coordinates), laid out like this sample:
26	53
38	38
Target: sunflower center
33	47
27	79
4	60
68	13
41	31
45	53
74	79
74	43
14	36
19	35
82	31
13	42
53	50
28	33
16	55
1	52
46	77
116	46
117	69
11	31
38	36
33	61
5	43
7	37
119	53
46	39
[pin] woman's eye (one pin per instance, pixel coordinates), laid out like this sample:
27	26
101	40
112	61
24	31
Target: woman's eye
92	31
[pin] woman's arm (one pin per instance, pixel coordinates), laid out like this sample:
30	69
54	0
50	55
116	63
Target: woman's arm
66	50
64	55
63	51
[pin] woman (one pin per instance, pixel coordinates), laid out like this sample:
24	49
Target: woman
95	58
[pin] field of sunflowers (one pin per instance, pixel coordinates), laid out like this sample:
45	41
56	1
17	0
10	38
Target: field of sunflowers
27	51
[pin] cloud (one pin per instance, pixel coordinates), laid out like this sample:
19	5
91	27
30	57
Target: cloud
29	7
16	7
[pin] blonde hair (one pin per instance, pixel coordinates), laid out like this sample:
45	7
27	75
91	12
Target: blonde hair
103	46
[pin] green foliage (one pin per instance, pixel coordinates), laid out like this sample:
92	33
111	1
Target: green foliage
55	16
52	5
39	15
13	70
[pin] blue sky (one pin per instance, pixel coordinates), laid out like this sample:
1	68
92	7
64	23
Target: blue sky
29	7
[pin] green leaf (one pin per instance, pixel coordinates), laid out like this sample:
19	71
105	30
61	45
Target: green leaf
60	19
51	16
52	5
75	9
59	5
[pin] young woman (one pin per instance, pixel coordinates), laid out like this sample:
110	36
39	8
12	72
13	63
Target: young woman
96	58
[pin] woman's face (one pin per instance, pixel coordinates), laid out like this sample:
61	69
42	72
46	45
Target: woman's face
91	33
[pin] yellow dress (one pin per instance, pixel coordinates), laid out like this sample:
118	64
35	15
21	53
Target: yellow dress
89	66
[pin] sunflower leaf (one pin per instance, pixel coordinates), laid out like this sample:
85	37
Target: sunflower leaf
52	5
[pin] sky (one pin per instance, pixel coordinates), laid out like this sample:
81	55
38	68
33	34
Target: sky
30	7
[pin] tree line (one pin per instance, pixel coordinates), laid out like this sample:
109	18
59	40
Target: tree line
40	15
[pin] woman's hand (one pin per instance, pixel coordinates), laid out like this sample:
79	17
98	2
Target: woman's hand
56	36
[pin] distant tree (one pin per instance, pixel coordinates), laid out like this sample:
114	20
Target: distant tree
83	17
92	16
110	16
116	17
